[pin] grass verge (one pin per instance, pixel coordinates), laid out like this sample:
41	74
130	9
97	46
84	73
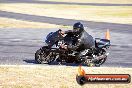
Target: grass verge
95	1
54	76
13	23
112	14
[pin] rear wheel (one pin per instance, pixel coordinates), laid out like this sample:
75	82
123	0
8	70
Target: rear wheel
94	62
43	57
102	59
100	62
89	63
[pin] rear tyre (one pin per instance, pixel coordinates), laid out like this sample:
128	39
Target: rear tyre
100	62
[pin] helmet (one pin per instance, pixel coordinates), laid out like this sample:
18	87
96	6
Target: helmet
78	27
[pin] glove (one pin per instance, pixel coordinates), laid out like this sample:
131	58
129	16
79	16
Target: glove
64	46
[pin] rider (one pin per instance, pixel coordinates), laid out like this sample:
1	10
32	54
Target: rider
82	39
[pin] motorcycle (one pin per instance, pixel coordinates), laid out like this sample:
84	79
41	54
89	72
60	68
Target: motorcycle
53	51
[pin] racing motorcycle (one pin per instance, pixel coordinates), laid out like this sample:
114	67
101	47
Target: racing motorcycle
53	51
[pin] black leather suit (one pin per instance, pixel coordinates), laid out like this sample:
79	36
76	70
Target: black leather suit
81	40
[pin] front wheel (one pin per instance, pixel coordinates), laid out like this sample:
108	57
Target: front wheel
42	57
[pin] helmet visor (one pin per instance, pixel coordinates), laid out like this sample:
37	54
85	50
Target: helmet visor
76	29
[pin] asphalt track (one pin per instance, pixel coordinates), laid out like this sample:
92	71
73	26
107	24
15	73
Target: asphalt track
59	3
17	46
126	28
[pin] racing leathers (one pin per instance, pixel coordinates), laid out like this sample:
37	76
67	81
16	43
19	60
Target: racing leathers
80	41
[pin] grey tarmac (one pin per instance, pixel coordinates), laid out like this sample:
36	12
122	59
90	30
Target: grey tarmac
126	28
18	46
59	3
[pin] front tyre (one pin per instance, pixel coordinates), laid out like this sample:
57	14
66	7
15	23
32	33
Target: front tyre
39	56
42	57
